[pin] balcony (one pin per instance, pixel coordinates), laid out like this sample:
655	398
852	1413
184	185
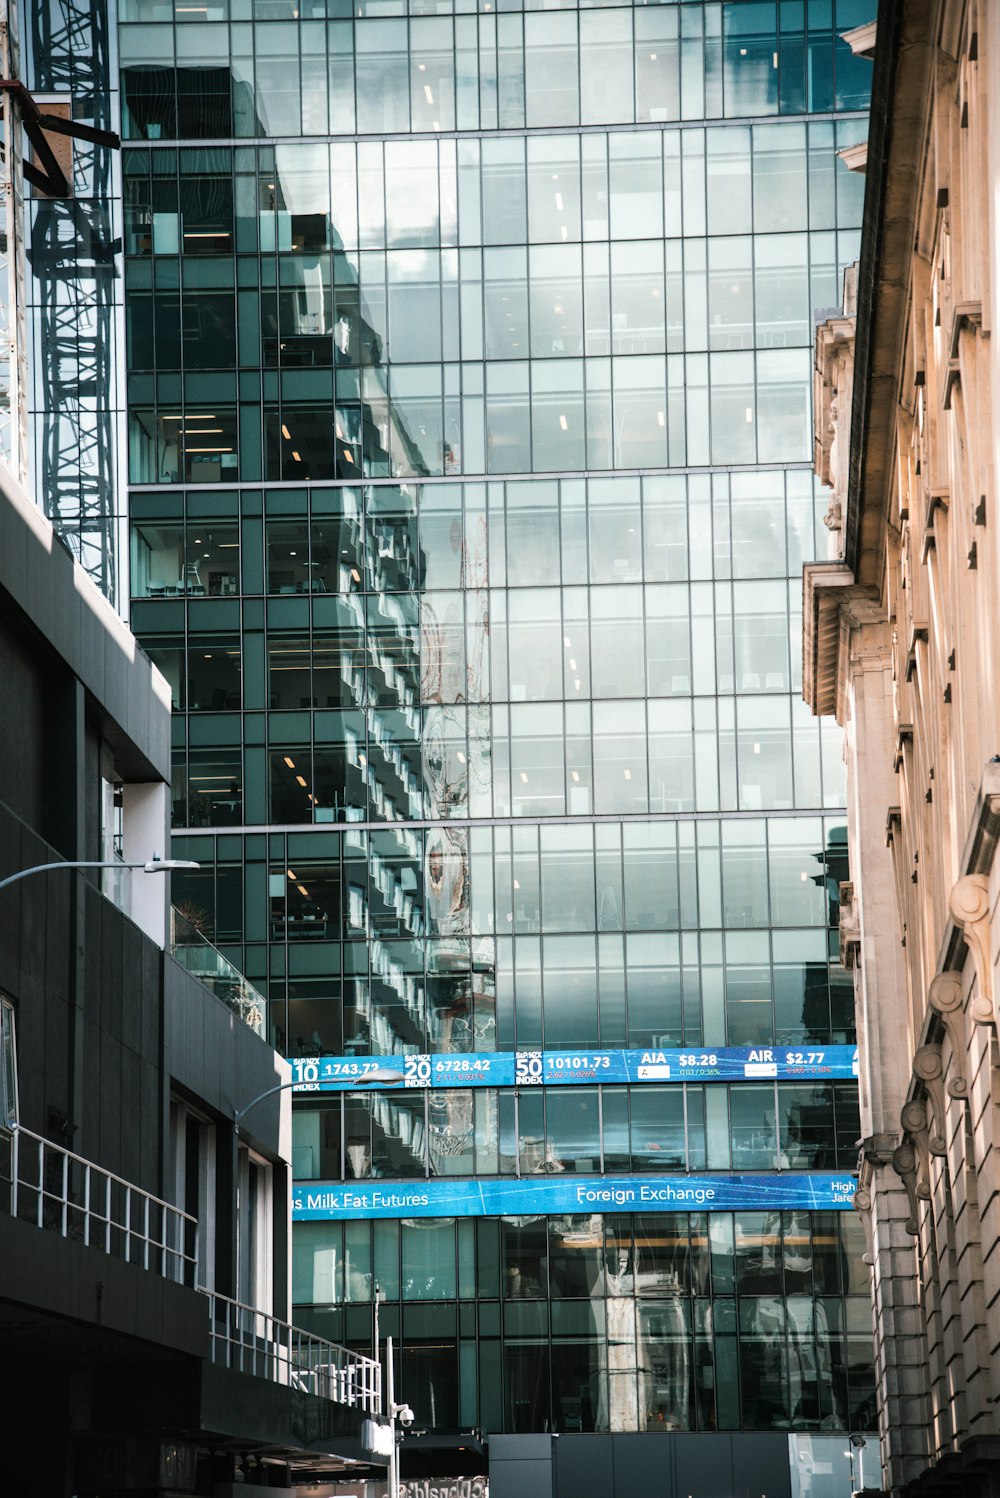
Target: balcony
50	1186
197	956
251	1341
56	1190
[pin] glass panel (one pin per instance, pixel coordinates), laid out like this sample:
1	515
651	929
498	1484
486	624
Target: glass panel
207	788
158	558
214	678
429	1259
658	1141
166	653
572	1130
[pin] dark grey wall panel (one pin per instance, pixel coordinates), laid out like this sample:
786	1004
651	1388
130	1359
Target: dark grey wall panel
531	1479
703	1466
54	597
761	1464
677	1464
521	1448
584	1466
212	1054
521	1466
22	717
643	1464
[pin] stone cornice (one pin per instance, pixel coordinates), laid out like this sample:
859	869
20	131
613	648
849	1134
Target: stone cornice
830	597
861	39
904	62
855	157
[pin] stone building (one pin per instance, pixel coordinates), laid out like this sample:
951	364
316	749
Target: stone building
900	631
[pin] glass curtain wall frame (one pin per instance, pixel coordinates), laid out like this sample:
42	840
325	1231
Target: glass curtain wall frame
323	327
752	1321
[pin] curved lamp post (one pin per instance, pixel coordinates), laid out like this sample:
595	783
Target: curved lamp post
152	865
382	1077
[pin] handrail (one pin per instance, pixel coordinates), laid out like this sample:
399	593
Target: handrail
253	1341
59	1190
66	1193
197	955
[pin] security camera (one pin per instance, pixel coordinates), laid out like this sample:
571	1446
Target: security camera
405	1416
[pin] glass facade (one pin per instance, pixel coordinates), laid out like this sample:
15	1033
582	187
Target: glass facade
687	1321
469	442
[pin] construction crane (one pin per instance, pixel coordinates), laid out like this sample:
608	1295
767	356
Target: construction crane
72	245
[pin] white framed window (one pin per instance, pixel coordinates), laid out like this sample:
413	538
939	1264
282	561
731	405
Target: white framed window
256	1230
193	1156
8	1067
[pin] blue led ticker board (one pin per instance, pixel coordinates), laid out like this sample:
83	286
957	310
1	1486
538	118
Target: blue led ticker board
547	1196
557	1068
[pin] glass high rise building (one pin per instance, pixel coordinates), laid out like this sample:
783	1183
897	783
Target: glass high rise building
469	445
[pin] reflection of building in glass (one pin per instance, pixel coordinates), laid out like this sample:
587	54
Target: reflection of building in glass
470	439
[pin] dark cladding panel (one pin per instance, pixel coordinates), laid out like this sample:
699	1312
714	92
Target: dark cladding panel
521	1467
704	1467
520	1479
583	1466
642	1464
761	1463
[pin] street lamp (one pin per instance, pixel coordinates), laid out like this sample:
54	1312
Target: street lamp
152	865
401	1412
382	1076
857	1444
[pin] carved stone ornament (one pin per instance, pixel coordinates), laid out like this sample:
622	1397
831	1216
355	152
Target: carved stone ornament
970	908
904	1163
862	1200
913	1118
945	997
928	1068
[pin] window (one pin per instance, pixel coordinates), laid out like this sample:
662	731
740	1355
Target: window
192	1143
305	901
254	1224
207	788
8	1067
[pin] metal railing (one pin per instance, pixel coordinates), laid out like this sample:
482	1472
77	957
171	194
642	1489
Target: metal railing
66	1194
45	1184
252	1341
196	955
